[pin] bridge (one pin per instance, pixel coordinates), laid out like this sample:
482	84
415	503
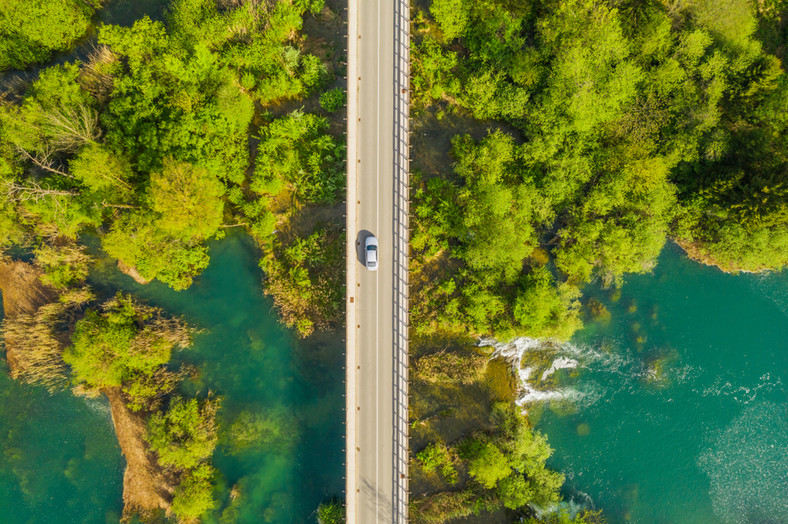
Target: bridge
377	302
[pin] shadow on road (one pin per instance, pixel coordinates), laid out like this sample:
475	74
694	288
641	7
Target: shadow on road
377	503
360	239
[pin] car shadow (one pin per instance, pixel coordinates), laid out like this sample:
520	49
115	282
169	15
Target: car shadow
360	239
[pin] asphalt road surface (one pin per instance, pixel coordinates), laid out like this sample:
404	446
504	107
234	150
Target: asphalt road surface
377	393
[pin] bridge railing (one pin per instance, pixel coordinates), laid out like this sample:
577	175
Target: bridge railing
401	249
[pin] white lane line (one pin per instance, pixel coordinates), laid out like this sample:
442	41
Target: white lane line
377	282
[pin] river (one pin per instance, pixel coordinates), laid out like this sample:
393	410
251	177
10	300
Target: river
281	447
678	410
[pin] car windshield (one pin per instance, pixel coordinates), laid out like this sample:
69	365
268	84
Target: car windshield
372	248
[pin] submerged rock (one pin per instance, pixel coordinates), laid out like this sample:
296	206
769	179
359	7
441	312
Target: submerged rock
598	310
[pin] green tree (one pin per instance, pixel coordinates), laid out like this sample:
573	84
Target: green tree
188	201
297	150
451	16
194	495
543	309
486	463
31	30
185	435
136	240
120	341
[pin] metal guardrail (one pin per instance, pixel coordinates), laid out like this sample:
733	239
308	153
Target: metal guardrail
401	248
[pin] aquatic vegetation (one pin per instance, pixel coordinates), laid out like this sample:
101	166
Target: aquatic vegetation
194	495
270	429
659	365
563	407
598	310
122	340
184	435
146	145
35	344
563	516
498	377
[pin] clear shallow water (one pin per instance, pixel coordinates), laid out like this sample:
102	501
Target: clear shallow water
61	462
291	391
682	413
59	459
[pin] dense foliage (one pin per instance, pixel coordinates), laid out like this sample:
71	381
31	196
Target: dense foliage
31	30
148	140
125	344
305	278
183	438
625	125
165	134
332	512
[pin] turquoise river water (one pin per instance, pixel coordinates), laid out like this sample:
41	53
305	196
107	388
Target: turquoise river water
678	410
282	407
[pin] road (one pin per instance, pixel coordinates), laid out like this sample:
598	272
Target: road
377	301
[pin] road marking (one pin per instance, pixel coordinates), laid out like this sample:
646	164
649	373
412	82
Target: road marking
377	287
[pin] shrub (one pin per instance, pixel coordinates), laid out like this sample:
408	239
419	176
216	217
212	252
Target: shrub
194	495
438	458
185	434
333	99
332	512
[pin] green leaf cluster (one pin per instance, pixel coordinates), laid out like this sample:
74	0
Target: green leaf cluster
333	99
501	467
185	434
619	128
297	155
147	141
304	276
125	344
32	30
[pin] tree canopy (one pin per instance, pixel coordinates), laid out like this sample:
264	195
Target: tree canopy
619	127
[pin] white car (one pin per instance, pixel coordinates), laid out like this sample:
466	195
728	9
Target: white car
371	253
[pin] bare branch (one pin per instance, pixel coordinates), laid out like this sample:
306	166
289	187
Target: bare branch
20	193
44	163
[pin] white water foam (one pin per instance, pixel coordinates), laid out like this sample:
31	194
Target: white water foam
741	393
614	369
560	363
514	352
